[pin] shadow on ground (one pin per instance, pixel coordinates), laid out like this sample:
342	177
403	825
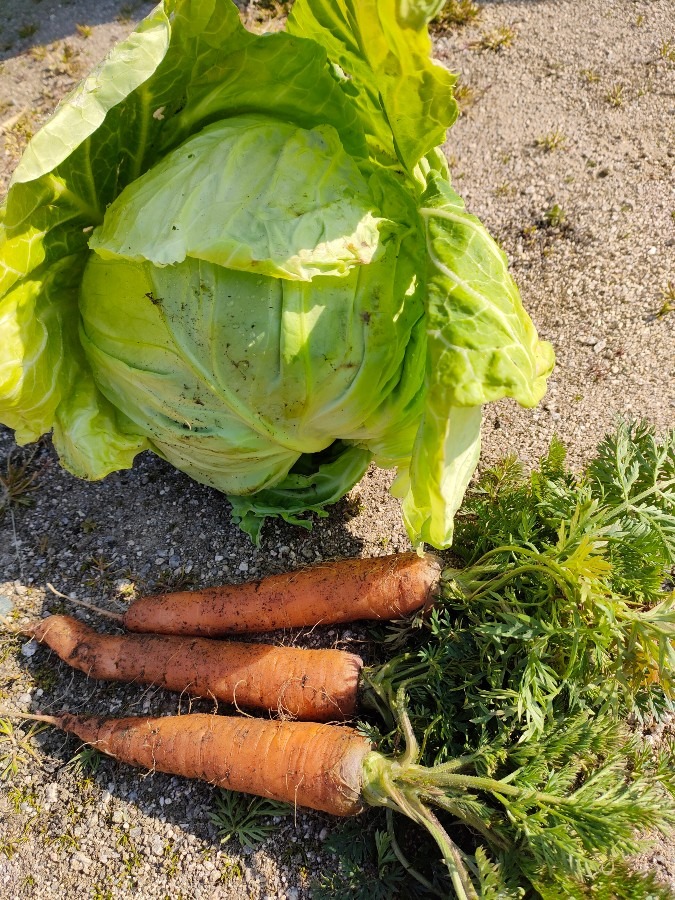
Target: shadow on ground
32	23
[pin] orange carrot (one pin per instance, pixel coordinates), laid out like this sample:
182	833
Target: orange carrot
317	685
385	587
304	763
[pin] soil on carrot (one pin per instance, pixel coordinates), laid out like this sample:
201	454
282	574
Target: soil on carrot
565	149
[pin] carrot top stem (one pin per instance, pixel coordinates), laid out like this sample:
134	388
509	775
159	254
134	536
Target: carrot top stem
405	862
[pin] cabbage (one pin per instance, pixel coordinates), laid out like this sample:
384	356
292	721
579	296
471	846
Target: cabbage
243	252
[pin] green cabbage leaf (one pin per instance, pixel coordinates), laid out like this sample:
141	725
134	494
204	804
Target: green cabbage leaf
243	253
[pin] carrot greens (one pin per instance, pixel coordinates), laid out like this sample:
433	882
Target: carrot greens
556	622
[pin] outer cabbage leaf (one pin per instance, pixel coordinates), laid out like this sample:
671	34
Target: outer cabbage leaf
481	346
444	458
32	349
248	193
278	75
404	99
313	483
482	343
89	433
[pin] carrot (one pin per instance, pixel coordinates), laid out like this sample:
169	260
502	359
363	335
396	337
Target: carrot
304	763
318	685
385	587
330	768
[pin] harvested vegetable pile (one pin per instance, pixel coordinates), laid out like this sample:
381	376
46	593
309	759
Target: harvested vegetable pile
495	721
243	252
501	708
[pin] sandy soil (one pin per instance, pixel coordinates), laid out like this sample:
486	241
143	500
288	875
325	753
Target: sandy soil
566	149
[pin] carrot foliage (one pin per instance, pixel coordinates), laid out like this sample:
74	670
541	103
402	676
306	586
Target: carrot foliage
556	624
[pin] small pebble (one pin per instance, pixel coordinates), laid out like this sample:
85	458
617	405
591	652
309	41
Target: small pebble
157	845
6	605
29	649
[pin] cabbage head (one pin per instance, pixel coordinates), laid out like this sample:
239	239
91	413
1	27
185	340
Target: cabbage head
243	252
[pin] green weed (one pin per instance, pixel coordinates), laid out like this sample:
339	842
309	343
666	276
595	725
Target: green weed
555	216
465	96
27	31
456	14
231	871
86	762
16	748
667	51
590	76
554	140
495	40
17	482
615	96
668	298
246	819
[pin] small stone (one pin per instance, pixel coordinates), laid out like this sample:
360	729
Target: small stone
52	792
599	347
323	834
292	894
157	845
28	649
24	699
243	566
118	817
651	251
81	862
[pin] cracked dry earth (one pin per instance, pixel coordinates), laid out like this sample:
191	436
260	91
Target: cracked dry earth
566	149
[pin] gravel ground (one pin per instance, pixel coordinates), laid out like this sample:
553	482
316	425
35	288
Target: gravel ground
566	149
